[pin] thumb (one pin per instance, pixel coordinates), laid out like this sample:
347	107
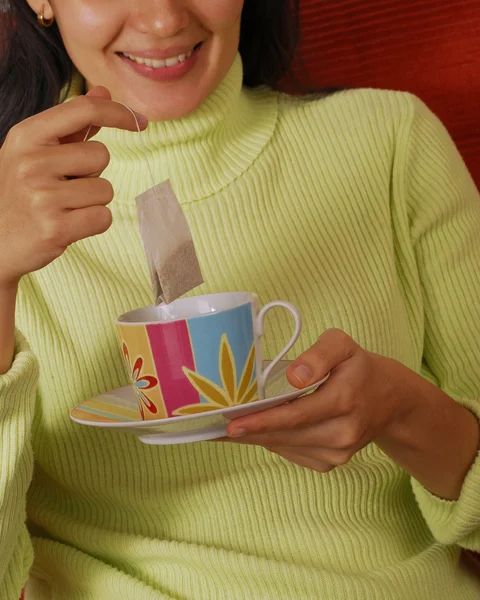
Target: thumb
97	92
332	348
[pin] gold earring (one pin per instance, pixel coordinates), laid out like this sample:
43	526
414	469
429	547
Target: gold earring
42	20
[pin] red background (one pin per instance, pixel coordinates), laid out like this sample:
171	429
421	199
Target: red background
428	47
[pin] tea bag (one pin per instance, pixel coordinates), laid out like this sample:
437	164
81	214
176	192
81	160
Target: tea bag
168	244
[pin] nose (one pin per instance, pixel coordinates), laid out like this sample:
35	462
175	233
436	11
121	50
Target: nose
164	18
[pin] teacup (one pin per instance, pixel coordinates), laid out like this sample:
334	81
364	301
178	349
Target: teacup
198	354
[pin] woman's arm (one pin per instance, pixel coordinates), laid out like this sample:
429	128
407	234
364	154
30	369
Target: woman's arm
8	295
436	441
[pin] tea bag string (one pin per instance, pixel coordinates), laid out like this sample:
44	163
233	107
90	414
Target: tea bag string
144	149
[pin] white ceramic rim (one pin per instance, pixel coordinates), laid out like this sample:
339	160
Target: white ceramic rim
221	411
248	298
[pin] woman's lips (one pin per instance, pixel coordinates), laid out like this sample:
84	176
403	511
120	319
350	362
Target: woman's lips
164	73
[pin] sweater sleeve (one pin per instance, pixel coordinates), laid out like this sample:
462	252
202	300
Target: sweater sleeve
17	401
444	213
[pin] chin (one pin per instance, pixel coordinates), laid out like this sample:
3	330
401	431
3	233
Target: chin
172	109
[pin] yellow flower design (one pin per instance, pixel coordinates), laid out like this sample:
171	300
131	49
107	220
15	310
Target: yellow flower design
230	395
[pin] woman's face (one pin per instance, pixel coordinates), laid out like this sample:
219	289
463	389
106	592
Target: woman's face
160	57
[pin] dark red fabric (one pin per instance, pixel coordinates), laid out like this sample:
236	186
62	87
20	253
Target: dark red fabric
428	47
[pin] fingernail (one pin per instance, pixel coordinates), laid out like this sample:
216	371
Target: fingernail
238	432
142	119
303	373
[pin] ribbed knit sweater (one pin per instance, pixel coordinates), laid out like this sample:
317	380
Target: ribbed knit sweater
355	207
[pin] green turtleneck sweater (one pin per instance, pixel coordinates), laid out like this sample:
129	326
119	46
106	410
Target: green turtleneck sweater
354	207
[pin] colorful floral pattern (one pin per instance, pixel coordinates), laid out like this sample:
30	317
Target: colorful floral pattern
231	394
141	382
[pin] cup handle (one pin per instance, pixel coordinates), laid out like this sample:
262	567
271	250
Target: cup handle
263	377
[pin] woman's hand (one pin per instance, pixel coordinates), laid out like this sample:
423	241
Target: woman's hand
51	194
368	398
357	405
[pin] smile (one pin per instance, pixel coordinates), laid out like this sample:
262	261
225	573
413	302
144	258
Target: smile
171	61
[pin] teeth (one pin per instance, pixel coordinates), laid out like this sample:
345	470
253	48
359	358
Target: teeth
159	64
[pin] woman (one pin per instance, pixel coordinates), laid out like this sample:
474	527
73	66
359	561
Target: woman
356	207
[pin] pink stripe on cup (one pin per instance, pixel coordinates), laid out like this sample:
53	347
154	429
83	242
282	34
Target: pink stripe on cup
172	349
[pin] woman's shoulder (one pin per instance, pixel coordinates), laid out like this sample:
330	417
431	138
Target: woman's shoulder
350	99
369	110
387	121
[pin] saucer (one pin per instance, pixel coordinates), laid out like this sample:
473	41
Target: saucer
118	410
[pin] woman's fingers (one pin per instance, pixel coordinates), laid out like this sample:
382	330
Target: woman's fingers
55	124
74	160
337	434
82	193
82	223
332	400
332	348
46	200
90	131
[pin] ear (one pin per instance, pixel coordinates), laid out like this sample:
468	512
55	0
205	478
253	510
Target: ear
36	6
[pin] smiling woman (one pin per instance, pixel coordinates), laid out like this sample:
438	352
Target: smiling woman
355	207
111	44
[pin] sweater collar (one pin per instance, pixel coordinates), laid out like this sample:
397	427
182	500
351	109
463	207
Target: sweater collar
203	152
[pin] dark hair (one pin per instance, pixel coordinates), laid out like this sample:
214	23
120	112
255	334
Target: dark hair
268	40
35	67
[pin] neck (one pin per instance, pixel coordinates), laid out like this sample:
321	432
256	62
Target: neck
206	150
